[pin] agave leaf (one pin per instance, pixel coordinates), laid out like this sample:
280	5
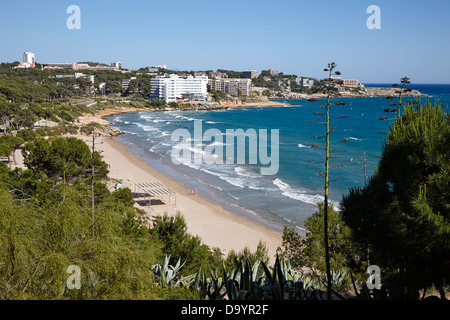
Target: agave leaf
224	275
275	293
269	278
280	276
247	281
255	270
354	285
233	290
243	295
197	278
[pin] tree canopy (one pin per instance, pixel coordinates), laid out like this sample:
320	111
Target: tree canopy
402	215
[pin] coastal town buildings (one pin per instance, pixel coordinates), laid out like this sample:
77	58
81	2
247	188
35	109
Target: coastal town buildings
78	66
251	74
125	84
274	73
350	83
29	57
344	82
339	84
116	64
28	61
172	87
235	87
218	75
77	75
305	82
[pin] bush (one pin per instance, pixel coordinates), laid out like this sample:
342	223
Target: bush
177	243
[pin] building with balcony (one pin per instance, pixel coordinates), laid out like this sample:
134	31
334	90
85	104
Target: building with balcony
350	83
235	87
172	87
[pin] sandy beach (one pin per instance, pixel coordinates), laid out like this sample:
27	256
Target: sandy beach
216	226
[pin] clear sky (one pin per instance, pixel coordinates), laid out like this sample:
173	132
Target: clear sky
292	36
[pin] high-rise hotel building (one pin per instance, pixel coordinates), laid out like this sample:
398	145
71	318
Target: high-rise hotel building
171	87
28	57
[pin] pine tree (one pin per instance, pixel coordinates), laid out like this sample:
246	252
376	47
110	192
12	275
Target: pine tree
403	212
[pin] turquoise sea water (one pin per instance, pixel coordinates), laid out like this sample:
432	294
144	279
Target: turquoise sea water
289	196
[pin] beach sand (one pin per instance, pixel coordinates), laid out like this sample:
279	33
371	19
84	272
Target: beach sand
216	226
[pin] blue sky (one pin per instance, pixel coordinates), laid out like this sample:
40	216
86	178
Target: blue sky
294	37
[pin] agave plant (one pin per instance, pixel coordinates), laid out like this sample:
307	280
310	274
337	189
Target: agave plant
249	282
211	287
167	274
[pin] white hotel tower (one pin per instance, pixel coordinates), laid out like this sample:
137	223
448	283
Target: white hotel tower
171	87
28	57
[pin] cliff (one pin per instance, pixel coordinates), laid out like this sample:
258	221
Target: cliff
358	92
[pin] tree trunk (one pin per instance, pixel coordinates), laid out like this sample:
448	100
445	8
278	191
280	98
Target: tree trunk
325	219
92	186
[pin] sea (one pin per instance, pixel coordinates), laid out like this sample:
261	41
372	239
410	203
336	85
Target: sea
290	195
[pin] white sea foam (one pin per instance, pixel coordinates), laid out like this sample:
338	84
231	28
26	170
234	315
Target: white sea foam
153	149
242	172
302	146
165	144
145	117
145	127
296	194
234	197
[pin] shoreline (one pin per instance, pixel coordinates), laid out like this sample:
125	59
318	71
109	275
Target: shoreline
216	226
256	104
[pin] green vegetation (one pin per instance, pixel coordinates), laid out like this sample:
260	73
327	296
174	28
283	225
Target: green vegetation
308	252
401	216
46	225
217	95
62	211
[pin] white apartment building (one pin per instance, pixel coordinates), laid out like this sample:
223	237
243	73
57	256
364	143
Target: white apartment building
171	87
29	58
28	61
305	82
77	75
116	64
231	86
